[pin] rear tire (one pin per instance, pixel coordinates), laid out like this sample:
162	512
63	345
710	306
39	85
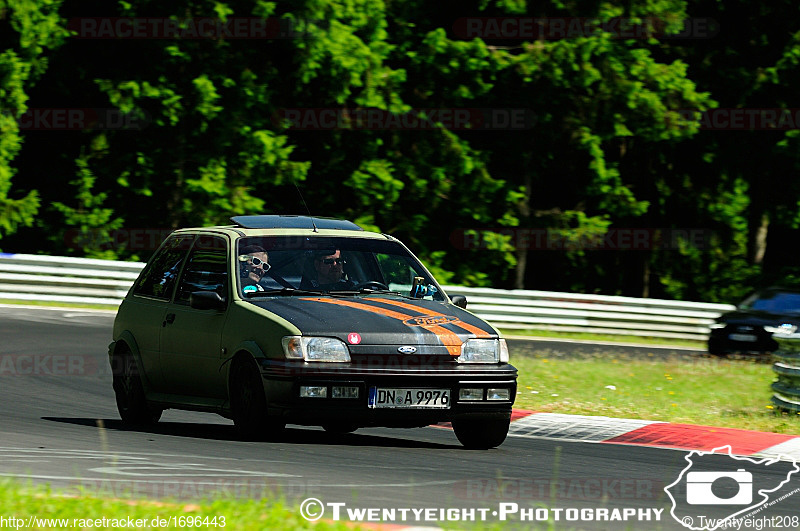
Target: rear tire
248	402
129	393
481	434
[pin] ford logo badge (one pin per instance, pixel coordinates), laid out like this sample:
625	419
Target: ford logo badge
406	350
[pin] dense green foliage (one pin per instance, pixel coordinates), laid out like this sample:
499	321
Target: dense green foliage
612	138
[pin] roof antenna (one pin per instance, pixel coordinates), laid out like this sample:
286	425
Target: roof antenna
305	205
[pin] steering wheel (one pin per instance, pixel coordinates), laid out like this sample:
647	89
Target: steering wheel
373	285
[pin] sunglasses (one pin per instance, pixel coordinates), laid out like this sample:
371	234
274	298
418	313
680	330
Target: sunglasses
259	262
331	261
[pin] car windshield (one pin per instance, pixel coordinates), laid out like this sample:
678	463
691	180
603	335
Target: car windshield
338	266
774	301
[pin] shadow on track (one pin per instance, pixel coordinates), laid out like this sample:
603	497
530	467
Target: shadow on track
222	432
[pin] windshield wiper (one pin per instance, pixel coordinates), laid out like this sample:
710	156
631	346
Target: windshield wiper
288	292
370	291
282	291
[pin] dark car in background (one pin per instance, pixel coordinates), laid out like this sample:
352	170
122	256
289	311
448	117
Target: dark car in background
749	328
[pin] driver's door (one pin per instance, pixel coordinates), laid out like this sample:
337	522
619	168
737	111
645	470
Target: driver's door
191	353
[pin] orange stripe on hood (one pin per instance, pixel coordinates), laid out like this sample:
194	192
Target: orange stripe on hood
461	324
449	339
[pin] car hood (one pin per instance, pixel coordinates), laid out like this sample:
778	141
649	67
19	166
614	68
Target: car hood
381	324
759	318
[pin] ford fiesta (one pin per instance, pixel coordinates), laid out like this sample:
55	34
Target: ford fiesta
310	321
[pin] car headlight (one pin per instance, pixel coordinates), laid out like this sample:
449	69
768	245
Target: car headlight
315	349
484	351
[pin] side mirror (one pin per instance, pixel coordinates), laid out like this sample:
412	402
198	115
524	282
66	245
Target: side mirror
206	300
459	300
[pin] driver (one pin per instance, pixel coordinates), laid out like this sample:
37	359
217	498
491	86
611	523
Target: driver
330	272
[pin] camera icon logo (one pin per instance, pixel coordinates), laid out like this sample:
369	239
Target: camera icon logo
699	489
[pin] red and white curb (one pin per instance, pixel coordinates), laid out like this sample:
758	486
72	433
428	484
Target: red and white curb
656	434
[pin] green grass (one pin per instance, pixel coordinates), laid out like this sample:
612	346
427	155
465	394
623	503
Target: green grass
700	345
23	501
731	393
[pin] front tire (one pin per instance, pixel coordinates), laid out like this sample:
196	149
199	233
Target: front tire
715	349
248	402
129	393
481	434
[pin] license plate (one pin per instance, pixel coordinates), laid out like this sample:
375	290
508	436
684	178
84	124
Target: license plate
409	398
747	338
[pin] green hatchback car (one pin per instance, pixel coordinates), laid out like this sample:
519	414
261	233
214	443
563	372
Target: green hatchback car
309	321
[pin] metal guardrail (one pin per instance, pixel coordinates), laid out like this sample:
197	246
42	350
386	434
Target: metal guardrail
603	314
63	279
29	277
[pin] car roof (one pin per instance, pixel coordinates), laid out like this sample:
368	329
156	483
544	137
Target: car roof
291	225
293	222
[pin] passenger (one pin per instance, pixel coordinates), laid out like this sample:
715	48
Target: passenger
254	265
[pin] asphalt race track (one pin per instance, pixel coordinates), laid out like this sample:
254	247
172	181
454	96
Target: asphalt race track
59	425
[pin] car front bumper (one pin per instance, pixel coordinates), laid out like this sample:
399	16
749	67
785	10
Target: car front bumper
730	340
283	381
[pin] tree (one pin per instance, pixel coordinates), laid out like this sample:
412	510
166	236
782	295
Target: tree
612	136
28	29
737	182
603	106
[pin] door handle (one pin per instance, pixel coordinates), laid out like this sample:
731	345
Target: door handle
169	319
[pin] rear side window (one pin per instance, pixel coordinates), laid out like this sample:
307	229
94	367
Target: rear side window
206	269
158	278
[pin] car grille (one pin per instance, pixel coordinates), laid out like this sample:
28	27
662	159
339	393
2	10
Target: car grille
402	360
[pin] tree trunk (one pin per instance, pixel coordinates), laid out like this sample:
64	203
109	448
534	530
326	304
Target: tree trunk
524	209
759	243
522	262
646	277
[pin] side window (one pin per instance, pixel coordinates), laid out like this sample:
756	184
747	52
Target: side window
158	277
206	269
